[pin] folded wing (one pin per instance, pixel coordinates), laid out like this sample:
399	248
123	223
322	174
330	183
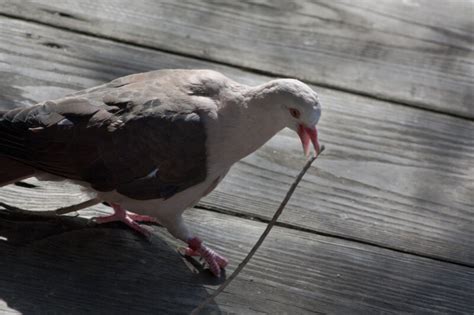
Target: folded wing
113	138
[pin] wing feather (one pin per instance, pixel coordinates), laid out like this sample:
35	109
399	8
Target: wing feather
112	137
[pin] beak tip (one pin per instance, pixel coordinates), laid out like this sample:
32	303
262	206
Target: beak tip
308	135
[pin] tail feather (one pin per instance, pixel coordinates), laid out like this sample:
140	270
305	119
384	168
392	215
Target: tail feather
12	133
12	146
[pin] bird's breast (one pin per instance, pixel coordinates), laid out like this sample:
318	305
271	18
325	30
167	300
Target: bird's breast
164	208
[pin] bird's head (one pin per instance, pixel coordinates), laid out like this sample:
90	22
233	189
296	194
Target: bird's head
299	109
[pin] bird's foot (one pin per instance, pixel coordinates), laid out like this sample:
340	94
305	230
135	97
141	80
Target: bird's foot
129	218
213	259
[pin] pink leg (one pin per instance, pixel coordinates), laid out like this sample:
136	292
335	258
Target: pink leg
128	218
213	259
142	218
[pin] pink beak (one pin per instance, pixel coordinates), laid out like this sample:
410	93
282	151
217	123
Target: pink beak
306	134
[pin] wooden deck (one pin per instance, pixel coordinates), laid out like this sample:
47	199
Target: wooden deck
384	221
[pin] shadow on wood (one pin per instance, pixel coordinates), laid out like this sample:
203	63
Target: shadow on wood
64	265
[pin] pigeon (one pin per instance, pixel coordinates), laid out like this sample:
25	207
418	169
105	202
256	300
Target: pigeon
153	144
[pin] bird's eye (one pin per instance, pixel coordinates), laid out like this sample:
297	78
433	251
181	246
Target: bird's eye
295	113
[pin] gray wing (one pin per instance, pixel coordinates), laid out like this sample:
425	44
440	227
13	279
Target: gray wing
169	163
114	137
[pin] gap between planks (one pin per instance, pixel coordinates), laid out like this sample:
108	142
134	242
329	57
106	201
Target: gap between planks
396	101
290	226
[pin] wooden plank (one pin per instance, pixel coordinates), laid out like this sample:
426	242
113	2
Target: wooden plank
393	176
64	265
415	52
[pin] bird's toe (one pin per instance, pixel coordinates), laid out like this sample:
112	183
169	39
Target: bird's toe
214	260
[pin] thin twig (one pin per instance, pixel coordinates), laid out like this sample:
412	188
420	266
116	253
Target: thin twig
63	210
76	207
262	237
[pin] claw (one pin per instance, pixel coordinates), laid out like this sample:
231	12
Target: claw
213	259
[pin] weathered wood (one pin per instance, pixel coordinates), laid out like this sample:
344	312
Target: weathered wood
65	266
81	269
416	52
393	176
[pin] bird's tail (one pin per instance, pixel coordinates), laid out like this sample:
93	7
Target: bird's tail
11	145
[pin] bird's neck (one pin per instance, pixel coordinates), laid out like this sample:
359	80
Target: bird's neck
256	127
241	129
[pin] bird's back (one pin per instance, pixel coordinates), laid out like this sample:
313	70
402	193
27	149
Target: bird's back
141	135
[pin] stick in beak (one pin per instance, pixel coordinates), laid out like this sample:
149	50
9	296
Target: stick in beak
306	135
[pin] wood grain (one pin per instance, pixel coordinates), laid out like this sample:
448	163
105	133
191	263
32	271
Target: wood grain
415	52
75	268
393	176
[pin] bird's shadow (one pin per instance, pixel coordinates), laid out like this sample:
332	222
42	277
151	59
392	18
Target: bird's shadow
64	265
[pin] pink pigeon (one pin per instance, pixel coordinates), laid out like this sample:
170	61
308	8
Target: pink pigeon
153	144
